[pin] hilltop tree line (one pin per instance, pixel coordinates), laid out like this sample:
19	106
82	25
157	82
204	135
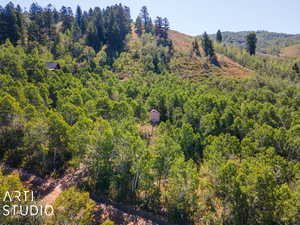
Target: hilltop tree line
65	31
95	28
160	28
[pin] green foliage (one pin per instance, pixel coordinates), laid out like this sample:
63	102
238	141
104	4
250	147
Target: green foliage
296	68
9	184
207	45
58	134
255	185
138	26
150	54
73	206
146	20
11	25
181	192
219	37
9	110
11	61
251	43
108	222
71	113
267	42
269	66
225	152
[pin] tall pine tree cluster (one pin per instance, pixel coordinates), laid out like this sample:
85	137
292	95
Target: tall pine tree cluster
96	28
209	50
106	27
143	24
11	23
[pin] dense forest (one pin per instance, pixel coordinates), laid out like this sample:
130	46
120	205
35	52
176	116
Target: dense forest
226	150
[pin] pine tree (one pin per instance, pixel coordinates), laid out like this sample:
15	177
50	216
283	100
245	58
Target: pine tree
48	21
166	28
99	28
22	26
219	36
158	27
149	26
251	43
56	16
9	26
107	27
208	48
36	29
195	48
138	26
67	17
207	45
35	10
161	29
79	20
78	15
144	14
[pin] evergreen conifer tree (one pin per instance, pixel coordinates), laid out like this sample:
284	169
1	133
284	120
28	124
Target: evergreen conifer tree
195	47
219	36
138	26
147	22
251	43
207	45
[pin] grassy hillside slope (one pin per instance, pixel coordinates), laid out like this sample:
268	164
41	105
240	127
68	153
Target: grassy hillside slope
191	67
291	51
268	42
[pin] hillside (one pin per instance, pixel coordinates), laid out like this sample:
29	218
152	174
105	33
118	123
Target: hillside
291	51
268	42
193	67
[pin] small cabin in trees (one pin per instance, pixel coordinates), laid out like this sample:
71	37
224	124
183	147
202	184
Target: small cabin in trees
53	66
154	116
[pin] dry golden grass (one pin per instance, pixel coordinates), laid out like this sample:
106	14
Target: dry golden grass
192	67
182	42
231	68
268	56
291	51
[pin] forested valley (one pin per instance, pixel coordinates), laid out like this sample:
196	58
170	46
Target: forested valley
226	150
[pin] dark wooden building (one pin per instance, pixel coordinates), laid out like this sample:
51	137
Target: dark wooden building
53	66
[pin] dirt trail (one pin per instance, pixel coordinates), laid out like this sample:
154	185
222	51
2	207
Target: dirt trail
126	215
51	197
62	184
47	190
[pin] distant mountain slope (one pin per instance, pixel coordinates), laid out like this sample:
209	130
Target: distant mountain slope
268	42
